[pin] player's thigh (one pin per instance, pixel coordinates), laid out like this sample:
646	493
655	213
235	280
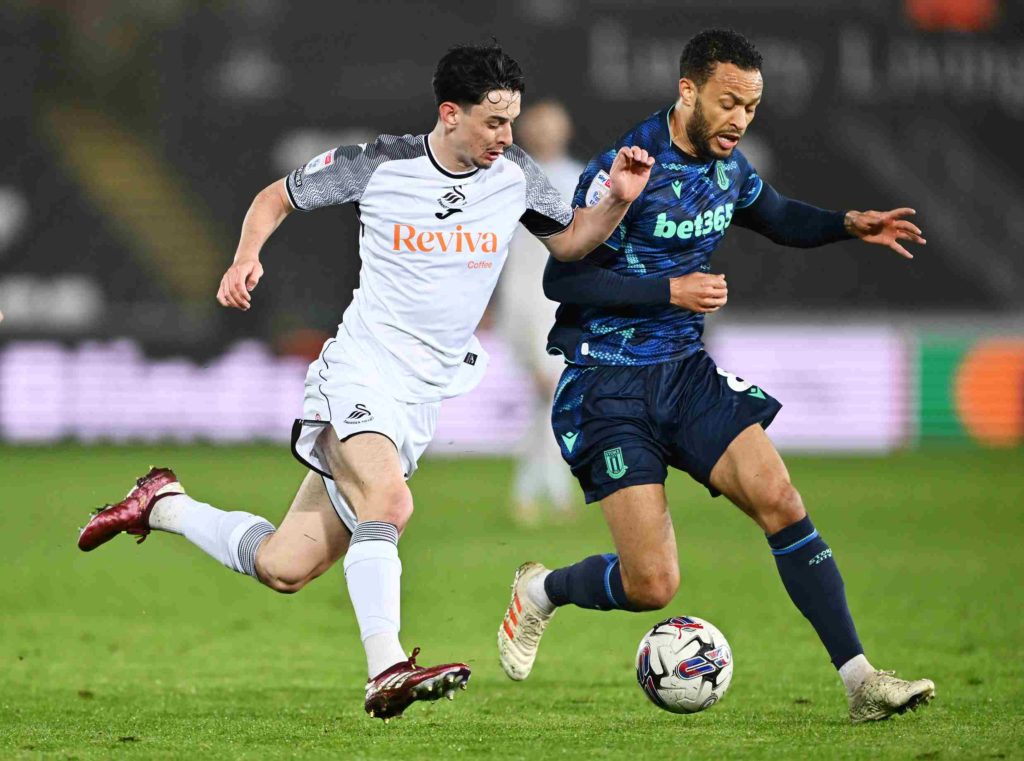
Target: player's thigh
700	409
309	540
368	471
645	540
753	476
601	417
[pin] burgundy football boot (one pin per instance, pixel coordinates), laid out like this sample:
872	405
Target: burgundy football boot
131	514
392	690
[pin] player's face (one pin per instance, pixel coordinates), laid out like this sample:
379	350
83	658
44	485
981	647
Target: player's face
723	110
484	131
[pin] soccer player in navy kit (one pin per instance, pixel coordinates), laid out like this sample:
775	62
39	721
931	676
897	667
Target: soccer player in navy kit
640	393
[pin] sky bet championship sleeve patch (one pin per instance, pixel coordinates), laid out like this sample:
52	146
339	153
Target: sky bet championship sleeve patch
600	186
322	161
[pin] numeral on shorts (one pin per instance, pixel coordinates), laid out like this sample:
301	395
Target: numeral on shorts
736	384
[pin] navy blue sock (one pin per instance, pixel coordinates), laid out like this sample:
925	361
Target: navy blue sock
812	579
594	582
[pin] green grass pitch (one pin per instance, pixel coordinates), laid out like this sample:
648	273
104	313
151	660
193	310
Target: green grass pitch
155	651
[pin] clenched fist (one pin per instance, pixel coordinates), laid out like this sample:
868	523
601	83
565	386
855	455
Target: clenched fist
699	292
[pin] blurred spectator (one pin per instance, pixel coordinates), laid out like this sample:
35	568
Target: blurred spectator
525	315
14	215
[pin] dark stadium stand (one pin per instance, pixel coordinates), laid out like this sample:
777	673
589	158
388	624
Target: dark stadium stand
833	130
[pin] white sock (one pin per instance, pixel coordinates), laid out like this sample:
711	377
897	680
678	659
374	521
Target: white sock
229	538
854	672
168	512
382	650
374	573
539	597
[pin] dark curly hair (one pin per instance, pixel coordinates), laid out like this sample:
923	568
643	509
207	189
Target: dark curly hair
466	73
714	46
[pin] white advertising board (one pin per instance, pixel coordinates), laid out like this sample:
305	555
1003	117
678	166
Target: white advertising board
842	388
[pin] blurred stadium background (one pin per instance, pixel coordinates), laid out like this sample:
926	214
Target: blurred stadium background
138	134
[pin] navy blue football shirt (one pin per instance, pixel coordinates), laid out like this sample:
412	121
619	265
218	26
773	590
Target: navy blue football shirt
671	229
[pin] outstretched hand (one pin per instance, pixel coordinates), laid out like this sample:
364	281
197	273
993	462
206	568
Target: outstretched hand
886	228
629	173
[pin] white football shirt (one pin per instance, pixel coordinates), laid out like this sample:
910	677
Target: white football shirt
432	244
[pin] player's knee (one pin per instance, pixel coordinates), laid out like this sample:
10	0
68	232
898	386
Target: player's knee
391	504
285	575
287	586
285	581
652	591
782	507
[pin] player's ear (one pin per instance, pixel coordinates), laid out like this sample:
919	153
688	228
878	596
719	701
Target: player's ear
448	113
687	92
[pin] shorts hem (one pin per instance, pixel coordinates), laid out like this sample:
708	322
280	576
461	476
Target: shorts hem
297	427
297	430
348	519
596	495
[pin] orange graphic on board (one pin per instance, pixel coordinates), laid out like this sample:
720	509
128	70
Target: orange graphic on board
989	392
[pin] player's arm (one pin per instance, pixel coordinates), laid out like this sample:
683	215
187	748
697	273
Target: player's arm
794	223
337	176
583	283
267	211
593	225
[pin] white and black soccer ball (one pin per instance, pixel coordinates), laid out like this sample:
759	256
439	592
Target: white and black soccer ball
684	664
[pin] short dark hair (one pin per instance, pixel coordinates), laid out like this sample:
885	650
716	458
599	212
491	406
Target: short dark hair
466	73
714	46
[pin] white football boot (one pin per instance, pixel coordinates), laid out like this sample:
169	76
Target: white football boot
524	623
881	695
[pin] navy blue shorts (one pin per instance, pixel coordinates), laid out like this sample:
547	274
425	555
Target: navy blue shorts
621	426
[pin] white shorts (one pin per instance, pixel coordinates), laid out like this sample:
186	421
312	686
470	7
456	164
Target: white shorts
338	395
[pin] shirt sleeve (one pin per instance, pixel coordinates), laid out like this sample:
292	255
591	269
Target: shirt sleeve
337	176
586	284
791	223
546	212
595	184
751	188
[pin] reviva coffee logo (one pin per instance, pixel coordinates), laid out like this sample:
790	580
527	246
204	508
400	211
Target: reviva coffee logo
458	241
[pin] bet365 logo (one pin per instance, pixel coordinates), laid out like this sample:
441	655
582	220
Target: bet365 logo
712	220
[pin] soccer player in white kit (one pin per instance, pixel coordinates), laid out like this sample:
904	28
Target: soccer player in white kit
437	212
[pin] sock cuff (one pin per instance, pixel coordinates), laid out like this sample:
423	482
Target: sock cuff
556	587
249	542
594	583
612	560
367	550
375	531
793	537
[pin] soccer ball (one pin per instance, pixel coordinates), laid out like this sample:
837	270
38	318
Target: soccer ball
684	664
